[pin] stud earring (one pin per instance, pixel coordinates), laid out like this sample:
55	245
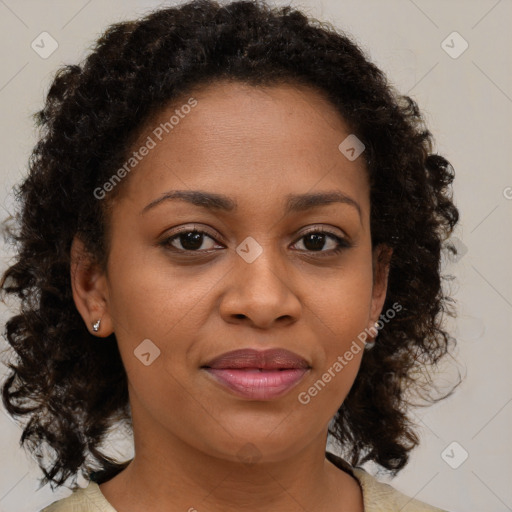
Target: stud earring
96	326
369	345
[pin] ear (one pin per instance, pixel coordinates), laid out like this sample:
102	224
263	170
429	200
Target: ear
381	263
90	289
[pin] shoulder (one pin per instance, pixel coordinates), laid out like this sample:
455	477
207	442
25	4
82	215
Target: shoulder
381	497
82	500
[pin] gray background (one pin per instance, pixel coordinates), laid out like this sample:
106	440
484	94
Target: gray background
468	104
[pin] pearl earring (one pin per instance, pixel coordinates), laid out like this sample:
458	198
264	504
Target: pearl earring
370	344
96	326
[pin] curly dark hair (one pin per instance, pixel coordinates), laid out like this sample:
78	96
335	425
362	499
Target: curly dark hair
73	388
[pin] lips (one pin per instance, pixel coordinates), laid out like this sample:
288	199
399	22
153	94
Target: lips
258	375
272	359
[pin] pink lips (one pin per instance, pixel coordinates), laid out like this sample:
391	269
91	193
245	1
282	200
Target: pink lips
258	375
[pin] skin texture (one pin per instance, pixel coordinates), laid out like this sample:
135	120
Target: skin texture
255	145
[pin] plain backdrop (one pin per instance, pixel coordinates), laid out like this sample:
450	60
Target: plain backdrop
453	58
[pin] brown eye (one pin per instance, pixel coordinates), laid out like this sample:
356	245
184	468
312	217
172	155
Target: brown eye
191	240
315	241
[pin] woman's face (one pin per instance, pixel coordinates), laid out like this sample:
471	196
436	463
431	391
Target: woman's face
254	280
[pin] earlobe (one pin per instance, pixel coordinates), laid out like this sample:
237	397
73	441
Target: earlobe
90	290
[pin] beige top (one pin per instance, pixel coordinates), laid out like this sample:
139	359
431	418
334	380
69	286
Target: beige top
377	497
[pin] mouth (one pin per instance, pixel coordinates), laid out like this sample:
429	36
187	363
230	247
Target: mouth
258	383
258	375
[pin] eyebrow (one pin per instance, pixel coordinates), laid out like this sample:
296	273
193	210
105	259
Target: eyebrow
220	202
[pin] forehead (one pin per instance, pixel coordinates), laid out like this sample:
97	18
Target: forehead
248	140
282	116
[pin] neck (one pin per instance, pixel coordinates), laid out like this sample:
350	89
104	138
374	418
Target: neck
165	478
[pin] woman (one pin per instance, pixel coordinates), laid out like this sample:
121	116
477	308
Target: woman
230	239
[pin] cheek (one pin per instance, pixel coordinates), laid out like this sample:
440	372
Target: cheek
147	296
341	315
344	301
342	308
151	300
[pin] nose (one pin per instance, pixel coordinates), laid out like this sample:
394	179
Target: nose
260	293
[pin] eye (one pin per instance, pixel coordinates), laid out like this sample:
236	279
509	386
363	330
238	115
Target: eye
193	240
315	240
190	240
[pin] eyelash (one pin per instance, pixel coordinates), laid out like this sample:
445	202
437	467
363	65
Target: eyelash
343	243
